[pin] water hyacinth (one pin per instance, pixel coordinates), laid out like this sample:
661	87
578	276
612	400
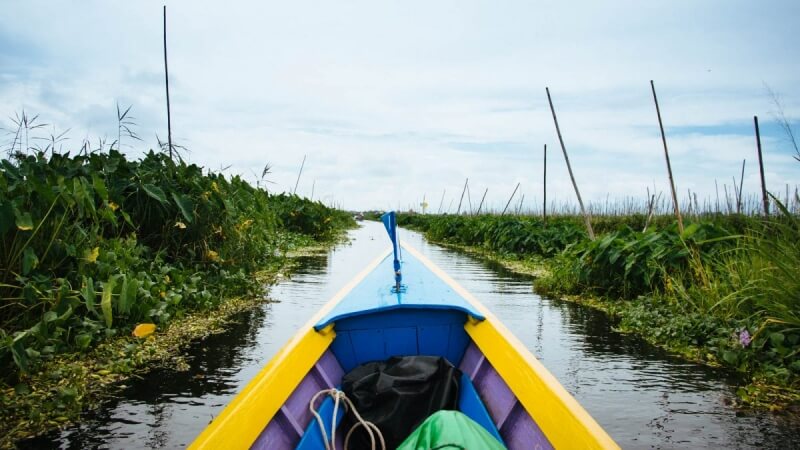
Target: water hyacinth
744	337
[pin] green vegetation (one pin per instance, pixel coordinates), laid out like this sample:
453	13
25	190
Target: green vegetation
724	292
94	244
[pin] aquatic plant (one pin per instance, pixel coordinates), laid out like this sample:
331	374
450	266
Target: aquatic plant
93	244
725	290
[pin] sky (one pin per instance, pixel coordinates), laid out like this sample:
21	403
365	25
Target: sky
393	102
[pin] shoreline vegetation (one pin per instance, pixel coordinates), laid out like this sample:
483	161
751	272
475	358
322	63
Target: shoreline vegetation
110	267
723	293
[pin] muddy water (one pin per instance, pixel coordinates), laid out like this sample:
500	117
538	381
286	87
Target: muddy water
643	397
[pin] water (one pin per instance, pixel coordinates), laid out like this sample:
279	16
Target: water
641	396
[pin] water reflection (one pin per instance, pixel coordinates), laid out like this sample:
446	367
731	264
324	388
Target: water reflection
643	397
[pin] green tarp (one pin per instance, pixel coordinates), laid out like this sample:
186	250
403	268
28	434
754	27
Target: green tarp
447	430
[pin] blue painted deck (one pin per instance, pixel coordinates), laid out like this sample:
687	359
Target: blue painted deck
423	289
372	323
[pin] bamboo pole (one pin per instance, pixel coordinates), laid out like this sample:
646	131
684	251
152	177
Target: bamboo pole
727	198
166	82
669	167
441	202
586	216
650	210
741	187
482	198
544	187
300	173
509	200
469	201
764	196
458	211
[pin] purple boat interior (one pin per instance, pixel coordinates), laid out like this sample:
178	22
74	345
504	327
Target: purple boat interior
484	395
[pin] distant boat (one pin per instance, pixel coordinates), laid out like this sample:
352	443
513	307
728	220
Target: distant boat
502	386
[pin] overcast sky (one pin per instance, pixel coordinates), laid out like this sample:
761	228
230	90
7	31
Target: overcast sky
394	101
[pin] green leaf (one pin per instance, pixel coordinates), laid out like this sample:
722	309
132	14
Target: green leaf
155	192
20	355
127	218
49	316
127	294
123	304
105	302
776	339
730	357
185	205
83	340
88	293
100	187
24	221
67	314
29	260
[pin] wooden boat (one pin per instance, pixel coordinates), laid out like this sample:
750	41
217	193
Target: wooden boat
504	387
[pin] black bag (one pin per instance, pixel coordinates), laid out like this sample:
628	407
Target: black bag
399	394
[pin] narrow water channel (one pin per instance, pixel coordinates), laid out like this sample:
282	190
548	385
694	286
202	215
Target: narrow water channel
643	397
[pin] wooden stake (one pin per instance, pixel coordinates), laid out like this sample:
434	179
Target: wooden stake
509	200
586	216
669	167
166	82
544	187
462	197
764	196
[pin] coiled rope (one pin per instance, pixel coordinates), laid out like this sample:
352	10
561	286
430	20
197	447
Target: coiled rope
338	396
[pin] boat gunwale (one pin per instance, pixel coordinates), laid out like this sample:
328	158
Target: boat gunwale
519	367
303	350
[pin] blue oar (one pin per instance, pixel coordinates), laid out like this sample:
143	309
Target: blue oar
390	222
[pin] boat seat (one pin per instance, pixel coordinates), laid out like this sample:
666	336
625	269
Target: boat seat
469	403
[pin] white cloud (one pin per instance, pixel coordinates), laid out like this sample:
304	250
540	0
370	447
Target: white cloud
393	101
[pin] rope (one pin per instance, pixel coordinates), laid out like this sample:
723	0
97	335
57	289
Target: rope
338	396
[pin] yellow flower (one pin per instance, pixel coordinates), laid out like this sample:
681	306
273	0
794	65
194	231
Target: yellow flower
244	224
113	206
91	255
212	255
144	329
180	225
